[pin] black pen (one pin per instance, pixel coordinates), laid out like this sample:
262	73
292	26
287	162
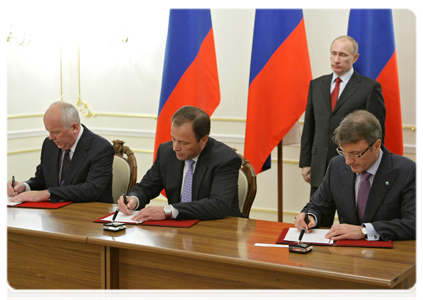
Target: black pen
13	184
306	219
301	235
114	216
125	201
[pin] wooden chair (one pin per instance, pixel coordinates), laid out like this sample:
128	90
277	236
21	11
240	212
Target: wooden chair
124	169
247	185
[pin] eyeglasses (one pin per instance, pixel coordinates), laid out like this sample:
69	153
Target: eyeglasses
340	152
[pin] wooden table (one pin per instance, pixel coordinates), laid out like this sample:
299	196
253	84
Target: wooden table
63	248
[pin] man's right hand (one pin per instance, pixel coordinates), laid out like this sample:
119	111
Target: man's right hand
19	188
306	174
127	209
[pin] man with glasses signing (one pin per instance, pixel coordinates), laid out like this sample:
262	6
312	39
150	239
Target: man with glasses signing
373	190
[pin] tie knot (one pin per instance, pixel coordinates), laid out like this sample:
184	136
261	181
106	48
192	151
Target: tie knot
191	163
338	80
365	176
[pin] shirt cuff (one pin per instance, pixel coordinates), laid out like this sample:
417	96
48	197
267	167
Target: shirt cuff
138	201
27	187
175	212
372	235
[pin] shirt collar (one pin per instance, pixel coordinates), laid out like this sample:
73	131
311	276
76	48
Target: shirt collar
345	77
373	169
72	149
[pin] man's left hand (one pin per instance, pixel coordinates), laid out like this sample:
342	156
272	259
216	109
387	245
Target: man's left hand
150	213
345	232
31	196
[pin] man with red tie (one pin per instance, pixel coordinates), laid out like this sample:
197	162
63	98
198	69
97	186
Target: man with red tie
331	97
373	190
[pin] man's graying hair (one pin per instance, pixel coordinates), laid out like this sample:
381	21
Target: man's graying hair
69	114
356	126
190	114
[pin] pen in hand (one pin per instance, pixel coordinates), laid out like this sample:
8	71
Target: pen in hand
125	201
114	216
13	184
306	219
301	235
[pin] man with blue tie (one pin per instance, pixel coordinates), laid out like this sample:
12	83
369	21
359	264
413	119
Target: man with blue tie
198	174
373	190
76	164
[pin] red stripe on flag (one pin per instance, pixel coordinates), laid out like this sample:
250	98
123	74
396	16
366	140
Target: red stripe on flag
388	78
199	86
277	97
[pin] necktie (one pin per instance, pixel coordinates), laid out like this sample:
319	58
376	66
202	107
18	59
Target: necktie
363	194
335	93
65	165
187	192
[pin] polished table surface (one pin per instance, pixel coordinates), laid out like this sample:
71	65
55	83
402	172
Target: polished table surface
227	242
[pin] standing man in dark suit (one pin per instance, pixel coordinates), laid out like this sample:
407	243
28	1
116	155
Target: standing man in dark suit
373	190
329	102
214	179
76	164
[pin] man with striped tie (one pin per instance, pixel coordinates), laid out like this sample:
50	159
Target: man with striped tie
198	174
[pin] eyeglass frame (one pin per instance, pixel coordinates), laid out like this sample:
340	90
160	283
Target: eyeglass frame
340	152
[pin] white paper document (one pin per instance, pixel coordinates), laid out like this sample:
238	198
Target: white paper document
121	217
316	236
12	203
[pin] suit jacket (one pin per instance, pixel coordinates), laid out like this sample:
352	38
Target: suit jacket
317	147
89	175
214	187
391	205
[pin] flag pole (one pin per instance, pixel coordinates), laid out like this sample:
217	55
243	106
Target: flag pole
280	182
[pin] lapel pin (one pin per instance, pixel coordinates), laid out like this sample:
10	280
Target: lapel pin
387	182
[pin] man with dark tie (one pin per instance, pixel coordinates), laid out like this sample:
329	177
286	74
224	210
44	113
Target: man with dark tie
330	98
373	190
76	164
198	174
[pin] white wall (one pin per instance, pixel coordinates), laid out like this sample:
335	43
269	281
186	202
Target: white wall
70	55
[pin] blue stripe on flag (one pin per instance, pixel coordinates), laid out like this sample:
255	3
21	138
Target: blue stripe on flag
187	30
375	45
271	28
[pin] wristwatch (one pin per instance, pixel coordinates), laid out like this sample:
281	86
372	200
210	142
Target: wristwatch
48	192
168	211
364	231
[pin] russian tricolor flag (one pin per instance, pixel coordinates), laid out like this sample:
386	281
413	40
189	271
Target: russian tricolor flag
190	69
280	75
373	29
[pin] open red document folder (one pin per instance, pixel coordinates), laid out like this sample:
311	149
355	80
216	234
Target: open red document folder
122	218
42	204
348	243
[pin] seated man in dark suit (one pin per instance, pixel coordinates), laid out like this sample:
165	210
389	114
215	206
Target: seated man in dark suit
207	190
76	164
373	190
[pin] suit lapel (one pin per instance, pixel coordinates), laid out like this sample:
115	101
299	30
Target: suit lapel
352	86
57	158
382	182
79	156
175	169
325	91
348	191
201	169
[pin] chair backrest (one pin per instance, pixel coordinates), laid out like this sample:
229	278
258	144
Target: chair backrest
124	169
247	186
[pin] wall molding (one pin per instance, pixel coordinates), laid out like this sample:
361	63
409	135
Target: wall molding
226	138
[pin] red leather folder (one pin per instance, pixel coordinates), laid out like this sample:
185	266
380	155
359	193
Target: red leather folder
344	243
43	204
166	223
